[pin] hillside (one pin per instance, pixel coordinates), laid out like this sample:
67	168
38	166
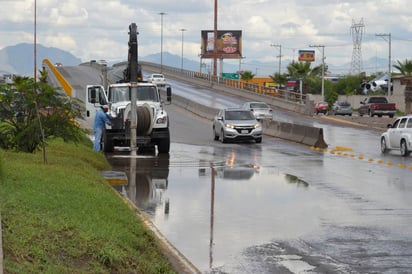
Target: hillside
19	59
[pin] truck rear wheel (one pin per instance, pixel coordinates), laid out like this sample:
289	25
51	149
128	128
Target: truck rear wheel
163	144
107	143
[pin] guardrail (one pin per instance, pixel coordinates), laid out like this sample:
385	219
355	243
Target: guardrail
282	99
62	81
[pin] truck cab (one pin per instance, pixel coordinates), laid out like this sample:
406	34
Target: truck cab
95	99
152	119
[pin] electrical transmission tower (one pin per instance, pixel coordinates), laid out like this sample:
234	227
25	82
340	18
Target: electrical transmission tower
357	32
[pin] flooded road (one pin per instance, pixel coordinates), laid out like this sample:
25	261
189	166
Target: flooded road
277	208
274	207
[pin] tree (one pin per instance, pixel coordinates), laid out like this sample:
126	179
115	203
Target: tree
247	76
303	72
405	68
31	113
279	79
349	85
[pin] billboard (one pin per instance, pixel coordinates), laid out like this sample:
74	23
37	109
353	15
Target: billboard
229	44
306	56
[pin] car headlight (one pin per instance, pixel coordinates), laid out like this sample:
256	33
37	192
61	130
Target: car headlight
257	125
229	126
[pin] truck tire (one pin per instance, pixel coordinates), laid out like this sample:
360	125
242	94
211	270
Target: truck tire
163	145
107	143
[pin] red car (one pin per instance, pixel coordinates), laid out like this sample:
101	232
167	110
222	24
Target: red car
321	107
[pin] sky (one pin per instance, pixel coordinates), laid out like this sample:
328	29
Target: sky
91	29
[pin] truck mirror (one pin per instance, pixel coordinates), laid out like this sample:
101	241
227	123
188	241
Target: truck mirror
169	94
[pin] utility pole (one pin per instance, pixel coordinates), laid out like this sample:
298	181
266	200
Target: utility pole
387	37
161	40
323	67
279	56
181	65
215	42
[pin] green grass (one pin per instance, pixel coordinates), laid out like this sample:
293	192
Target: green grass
63	217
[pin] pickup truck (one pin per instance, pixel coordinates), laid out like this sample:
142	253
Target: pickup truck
377	105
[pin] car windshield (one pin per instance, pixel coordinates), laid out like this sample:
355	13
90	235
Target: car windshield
239	115
258	105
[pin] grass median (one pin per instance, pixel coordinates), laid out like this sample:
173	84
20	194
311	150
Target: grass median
63	217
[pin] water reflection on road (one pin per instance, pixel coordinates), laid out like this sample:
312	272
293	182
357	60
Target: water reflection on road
214	202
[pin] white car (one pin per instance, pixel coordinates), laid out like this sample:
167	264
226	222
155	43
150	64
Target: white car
156	78
398	136
260	110
236	124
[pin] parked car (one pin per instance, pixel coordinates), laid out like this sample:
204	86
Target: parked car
398	136
260	110
341	108
236	124
321	107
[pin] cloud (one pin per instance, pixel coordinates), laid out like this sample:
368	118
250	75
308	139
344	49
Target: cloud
99	29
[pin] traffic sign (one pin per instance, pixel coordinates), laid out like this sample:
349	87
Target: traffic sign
231	76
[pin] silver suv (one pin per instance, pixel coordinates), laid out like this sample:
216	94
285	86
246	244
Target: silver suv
236	124
398	136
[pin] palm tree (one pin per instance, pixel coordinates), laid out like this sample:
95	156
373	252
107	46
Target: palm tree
405	69
300	71
279	79
247	76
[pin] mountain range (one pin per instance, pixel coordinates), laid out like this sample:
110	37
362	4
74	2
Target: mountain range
18	59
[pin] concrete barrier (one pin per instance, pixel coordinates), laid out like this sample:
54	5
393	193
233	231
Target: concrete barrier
302	134
298	133
314	137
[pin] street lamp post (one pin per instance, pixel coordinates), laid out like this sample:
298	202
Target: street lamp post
181	65
240	63
323	68
280	55
161	40
384	36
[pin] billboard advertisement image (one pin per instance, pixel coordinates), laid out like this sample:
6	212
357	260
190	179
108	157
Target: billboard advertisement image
306	56
229	44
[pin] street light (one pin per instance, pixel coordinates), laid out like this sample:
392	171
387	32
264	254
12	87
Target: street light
323	68
181	65
240	62
280	54
161	40
384	36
